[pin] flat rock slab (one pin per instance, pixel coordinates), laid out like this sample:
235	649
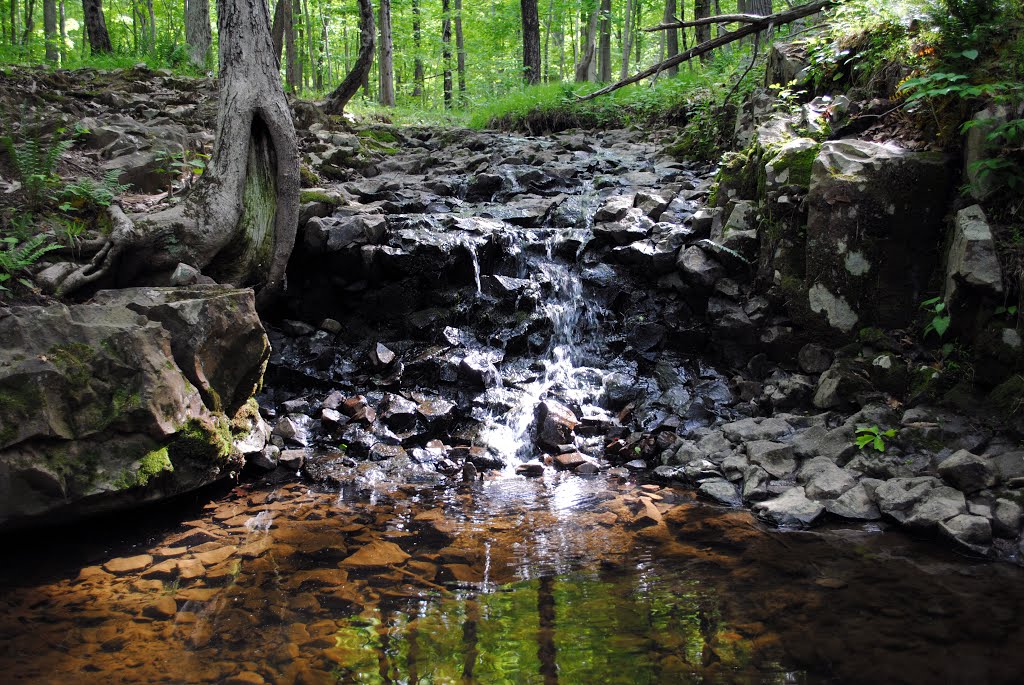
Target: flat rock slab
377	554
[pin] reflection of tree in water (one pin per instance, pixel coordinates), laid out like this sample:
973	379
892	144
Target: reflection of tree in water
611	628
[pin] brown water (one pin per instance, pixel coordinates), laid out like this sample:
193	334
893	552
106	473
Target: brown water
557	580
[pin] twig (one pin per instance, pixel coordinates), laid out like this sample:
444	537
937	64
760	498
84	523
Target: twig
720	19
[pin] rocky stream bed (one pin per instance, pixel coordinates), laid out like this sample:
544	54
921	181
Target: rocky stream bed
529	416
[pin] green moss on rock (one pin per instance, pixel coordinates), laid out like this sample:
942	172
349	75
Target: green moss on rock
203	441
150	465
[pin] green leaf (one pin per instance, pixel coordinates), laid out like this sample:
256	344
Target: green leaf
864	440
879	444
970	54
941	324
891	433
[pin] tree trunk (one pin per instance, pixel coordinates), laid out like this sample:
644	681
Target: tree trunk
385	64
296	35
291	65
63	33
336	101
50	30
152	25
278	28
627	39
585	67
198	34
460	53
238	224
547	40
96	27
604	54
417	38
672	35
14	22
446	51
531	42
702	33
30	20
315	81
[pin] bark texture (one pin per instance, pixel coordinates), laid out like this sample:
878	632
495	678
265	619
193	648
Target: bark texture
198	34
460	53
238	224
417	37
50	30
531	41
386	68
446	51
585	67
96	27
671	35
604	50
336	101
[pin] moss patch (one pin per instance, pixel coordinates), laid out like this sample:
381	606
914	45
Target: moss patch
203	441
151	464
75	362
307	196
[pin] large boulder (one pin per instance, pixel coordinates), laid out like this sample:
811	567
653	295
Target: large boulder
134	397
873	228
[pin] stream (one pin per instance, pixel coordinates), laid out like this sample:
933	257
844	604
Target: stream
434	525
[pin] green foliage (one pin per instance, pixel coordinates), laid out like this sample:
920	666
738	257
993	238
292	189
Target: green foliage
874	437
16	256
90	194
34	159
940	317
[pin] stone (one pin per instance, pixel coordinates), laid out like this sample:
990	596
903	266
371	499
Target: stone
855	503
902	195
382	355
840	385
972	532
121	565
267	459
822	479
1006	518
967	472
897	496
556	424
972	261
814	359
651	204
937	505
774	457
398	413
748	430
721	491
530	469
790	509
699	269
479	369
649	514
375	554
570	460
836	444
614	208
161	609
755	483
292	459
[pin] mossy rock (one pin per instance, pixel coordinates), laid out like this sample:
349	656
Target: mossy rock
1007	399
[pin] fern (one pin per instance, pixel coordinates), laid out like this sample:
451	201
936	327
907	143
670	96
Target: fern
35	161
16	256
87	192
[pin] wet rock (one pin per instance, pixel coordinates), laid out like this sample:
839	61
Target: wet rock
376	554
823	480
614	208
967	472
332	419
937	505
292	459
973	532
556	424
840	385
570	460
530	469
755	483
837	444
479	369
791	509
121	565
721	491
294	429
651	204
855	503
814	359
774	457
398	413
161	609
267	459
649	515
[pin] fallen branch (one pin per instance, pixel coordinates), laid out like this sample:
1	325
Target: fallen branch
761	24
720	19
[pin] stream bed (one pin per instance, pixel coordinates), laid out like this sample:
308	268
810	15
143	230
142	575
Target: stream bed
561	579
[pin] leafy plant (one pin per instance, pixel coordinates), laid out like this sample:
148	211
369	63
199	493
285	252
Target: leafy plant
35	161
88	193
873	436
941	318
16	256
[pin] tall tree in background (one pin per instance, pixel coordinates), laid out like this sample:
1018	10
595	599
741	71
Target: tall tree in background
96	27
446	51
385	65
627	38
198	34
460	53
336	101
238	223
585	70
604	52
417	38
50	30
671	36
702	34
531	41
277	29
30	20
